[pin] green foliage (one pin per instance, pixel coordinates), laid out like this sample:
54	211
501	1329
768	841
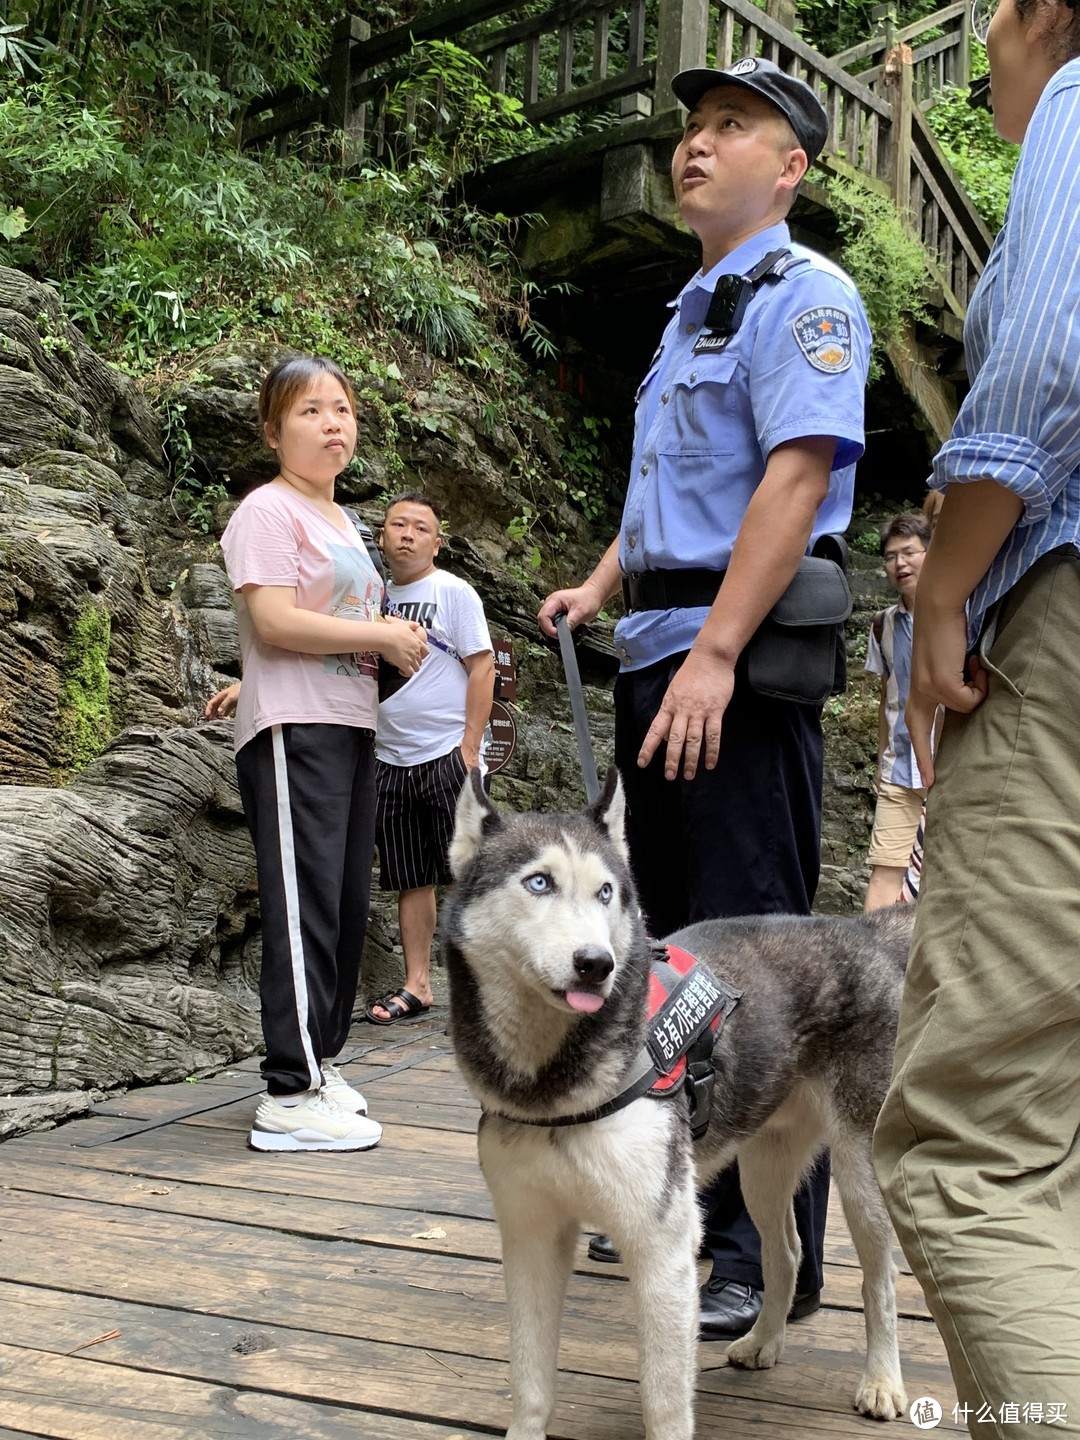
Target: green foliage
193	500
54	341
886	262
120	181
165	57
834	25
589	477
164	239
984	162
84	725
447	119
16	52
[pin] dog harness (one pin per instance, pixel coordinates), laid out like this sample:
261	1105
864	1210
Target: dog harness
686	1009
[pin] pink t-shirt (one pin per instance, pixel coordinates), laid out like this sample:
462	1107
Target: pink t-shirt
277	537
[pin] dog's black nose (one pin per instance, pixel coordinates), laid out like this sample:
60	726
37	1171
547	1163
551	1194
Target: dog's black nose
593	963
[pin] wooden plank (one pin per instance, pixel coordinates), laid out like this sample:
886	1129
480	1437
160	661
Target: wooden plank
210	1251
70	1399
448	1190
564	70
405	1229
531	82
378	1376
446	21
202	1154
625	83
970	227
748	12
725	39
541	24
497	69
635	58
308	1295
601	31
369	1292
939	18
911	32
330	1219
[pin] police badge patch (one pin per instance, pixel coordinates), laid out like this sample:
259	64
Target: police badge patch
824	336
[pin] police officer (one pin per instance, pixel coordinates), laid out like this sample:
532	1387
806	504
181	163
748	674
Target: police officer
749	423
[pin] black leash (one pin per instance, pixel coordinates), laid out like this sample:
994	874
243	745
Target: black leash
577	708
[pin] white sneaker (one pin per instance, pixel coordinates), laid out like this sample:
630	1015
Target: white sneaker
317	1123
341	1092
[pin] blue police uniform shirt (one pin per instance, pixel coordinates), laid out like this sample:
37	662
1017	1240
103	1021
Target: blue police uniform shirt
706	424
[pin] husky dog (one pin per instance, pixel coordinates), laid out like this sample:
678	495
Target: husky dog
549	969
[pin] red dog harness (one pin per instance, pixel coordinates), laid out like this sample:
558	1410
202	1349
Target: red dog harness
687	1006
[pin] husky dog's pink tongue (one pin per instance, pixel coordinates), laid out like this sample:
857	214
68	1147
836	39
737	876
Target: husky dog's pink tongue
585	1000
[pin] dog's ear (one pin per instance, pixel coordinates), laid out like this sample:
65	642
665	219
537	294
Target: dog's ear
609	812
475	818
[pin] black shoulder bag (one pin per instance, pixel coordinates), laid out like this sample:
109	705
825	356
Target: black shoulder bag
797	652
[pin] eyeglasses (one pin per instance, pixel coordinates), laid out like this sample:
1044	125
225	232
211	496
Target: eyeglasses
982	12
908	553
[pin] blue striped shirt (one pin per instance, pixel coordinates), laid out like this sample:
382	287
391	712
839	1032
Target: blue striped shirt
1020	423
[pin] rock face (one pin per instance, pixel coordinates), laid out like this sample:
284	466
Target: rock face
128	913
127	943
129	936
86	646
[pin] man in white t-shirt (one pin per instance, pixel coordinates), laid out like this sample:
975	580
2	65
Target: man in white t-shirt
429	736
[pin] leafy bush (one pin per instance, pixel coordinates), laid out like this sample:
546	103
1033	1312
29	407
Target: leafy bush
984	162
887	262
121	182
163	238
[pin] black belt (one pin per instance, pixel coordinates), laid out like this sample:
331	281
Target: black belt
671	589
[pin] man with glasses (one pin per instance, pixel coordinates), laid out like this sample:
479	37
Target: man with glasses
900	789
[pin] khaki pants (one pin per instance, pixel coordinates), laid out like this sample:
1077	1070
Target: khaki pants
977	1146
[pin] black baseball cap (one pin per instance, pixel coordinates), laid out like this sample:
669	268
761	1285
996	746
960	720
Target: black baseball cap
793	98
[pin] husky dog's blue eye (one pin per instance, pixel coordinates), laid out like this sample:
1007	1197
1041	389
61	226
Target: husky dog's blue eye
605	893
538	884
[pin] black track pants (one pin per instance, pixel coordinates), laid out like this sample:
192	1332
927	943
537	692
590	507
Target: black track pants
309	799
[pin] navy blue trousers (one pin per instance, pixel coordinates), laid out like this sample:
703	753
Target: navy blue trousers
743	839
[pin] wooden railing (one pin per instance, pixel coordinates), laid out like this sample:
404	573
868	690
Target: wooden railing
940	52
603	59
590	69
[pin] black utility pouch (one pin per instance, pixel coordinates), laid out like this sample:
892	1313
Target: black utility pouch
796	652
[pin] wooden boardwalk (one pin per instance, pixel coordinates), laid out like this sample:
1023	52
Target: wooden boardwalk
159	1280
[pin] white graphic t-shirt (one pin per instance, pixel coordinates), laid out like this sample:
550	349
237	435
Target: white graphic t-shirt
277	537
426	717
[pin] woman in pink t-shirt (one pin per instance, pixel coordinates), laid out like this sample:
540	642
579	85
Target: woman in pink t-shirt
309	601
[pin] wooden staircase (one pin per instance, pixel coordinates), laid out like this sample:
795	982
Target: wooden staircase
602	70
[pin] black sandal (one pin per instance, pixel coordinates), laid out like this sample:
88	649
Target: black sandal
401	1005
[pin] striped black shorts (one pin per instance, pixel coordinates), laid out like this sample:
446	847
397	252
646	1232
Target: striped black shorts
414	820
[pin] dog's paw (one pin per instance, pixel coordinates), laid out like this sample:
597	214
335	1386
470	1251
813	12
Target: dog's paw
881	1397
756	1352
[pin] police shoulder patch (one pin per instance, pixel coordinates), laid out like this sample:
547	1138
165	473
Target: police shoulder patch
824	337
